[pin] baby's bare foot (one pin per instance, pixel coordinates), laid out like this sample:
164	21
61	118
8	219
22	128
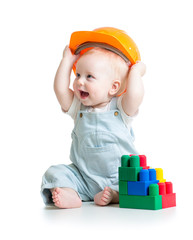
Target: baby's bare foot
106	196
65	198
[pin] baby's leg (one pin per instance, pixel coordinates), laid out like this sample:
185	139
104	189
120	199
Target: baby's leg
65	198
106	196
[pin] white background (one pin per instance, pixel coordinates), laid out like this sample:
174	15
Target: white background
34	133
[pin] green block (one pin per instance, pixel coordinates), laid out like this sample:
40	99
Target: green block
140	202
129	173
154	190
125	161
123	188
134	161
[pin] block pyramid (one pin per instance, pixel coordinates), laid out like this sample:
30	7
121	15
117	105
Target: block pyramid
142	187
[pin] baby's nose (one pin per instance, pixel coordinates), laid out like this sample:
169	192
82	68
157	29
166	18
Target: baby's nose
80	82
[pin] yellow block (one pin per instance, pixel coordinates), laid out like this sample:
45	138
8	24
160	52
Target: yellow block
159	175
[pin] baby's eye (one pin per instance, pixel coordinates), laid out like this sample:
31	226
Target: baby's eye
77	75
89	76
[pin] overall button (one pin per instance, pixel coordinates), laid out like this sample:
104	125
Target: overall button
116	113
81	115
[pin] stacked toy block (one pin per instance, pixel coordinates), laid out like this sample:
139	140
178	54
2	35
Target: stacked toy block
168	197
142	187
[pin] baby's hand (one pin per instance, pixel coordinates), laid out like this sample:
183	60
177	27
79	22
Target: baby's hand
139	67
67	55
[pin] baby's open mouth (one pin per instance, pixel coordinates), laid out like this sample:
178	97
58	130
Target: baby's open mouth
84	94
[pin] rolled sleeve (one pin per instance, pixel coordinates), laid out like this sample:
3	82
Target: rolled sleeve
74	108
126	119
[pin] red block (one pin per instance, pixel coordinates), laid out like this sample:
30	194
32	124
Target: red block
169	200
146	167
143	160
168	197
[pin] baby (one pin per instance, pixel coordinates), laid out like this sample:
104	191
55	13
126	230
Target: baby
102	131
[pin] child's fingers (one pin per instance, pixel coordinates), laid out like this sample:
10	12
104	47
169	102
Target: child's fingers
140	66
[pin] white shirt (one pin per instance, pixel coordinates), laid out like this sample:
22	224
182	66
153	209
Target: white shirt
76	104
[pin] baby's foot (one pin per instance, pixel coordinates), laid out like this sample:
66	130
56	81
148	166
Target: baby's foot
106	196
65	198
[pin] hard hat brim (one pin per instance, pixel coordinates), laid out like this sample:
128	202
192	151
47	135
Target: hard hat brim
101	45
127	48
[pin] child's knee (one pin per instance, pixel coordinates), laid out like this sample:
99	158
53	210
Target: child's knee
50	173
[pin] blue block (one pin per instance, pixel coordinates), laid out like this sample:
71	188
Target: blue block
147	175
152	174
139	188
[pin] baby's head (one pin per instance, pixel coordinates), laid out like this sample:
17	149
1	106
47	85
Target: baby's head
100	75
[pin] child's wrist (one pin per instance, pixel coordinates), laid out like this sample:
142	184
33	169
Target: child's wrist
67	64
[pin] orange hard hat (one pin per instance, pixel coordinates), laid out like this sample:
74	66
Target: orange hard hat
109	38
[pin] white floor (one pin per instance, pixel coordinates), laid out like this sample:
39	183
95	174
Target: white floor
36	221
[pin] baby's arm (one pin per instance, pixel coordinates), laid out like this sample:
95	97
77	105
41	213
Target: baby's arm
62	79
135	90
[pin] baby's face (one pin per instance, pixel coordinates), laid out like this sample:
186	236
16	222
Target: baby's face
94	78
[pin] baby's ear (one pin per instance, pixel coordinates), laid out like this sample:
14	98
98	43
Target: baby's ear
115	87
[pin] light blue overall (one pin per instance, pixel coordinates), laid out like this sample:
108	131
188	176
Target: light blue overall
98	142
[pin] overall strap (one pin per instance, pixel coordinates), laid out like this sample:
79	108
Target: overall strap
113	103
82	107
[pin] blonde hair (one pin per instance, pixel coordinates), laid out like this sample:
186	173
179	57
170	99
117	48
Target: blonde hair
119	67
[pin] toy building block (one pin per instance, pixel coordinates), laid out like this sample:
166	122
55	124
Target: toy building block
143	162
134	161
152	202
141	187
159	175
123	189
130	161
130	168
129	173
125	161
168	197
